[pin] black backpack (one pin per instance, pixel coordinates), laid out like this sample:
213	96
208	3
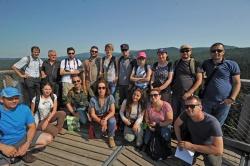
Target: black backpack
158	147
112	60
67	59
37	104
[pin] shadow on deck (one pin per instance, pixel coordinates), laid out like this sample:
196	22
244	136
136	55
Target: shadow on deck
73	149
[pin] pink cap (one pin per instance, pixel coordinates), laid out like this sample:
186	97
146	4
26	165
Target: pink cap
141	54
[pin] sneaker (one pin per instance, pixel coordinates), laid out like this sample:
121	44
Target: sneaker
29	158
62	131
112	142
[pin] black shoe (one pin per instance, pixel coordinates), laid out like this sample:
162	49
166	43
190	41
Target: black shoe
37	150
29	158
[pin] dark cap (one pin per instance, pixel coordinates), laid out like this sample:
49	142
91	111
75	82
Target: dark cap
124	47
162	50
94	47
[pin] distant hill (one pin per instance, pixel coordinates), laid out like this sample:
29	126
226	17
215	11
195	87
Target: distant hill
240	55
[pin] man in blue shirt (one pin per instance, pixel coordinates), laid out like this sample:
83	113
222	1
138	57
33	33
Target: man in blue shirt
223	83
18	130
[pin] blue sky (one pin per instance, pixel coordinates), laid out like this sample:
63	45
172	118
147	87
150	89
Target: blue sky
58	24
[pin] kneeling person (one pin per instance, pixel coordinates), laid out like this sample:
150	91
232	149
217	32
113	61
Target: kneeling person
15	140
205	131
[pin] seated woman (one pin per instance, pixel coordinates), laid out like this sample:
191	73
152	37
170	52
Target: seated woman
141	73
102	111
133	108
45	112
77	100
158	116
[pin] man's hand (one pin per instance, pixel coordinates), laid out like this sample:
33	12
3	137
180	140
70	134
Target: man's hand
186	95
22	149
185	144
227	101
25	75
9	151
75	72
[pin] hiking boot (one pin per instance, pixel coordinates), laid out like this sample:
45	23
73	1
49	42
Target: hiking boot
29	158
112	142
62	131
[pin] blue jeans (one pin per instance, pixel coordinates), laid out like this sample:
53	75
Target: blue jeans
220	111
165	133
83	115
111	127
209	160
112	87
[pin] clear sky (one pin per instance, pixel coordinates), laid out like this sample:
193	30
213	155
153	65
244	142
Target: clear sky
58	24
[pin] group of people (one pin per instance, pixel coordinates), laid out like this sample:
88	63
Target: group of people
152	99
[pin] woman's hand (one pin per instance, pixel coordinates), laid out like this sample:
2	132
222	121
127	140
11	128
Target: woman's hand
44	125
135	128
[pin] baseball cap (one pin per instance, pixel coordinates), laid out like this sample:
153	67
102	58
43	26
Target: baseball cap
10	92
185	46
162	50
124	47
141	54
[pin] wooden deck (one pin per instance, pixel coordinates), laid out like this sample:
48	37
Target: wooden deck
73	149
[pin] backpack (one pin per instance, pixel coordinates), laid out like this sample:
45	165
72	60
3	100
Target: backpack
37	104
131	60
28	64
145	68
67	59
156	64
158	147
112	60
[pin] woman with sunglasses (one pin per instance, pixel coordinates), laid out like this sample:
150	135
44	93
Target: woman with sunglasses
45	111
162	74
131	112
102	111
158	117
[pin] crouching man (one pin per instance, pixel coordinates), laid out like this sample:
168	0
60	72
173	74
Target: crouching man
205	132
17	130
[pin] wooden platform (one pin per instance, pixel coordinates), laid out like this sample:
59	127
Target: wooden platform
73	149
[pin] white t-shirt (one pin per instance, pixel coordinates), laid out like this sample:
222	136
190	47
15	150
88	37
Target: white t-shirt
109	73
44	107
71	65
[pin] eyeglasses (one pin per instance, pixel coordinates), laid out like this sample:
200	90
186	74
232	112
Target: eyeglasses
71	53
76	81
124	50
216	50
94	51
101	87
192	106
154	95
185	50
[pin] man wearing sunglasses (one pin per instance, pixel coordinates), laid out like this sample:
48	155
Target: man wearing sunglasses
187	78
222	84
91	67
205	131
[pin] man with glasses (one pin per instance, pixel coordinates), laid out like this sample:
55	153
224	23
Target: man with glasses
222	84
18	130
29	68
91	67
125	66
69	66
77	100
205	131
186	79
51	72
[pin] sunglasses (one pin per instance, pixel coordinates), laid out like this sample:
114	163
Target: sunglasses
124	50
71	53
94	51
184	50
101	87
192	106
76	81
154	95
216	50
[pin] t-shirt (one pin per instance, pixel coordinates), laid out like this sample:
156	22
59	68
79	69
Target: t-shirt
125	69
52	71
13	123
202	132
78	100
44	107
71	65
220	86
183	78
109	72
159	116
141	73
100	111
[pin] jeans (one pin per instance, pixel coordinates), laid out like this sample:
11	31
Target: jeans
83	115
123	93
112	87
165	133
32	85
209	160
177	105
220	111
111	128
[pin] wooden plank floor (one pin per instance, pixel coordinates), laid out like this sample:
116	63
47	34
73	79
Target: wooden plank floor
73	149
